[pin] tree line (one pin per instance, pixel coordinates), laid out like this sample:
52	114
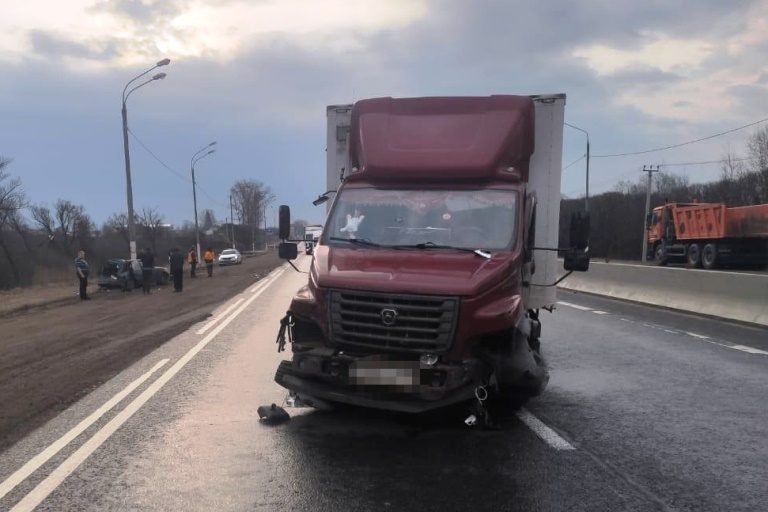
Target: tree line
617	217
38	242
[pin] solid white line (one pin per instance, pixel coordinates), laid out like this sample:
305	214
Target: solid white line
545	433
265	282
575	306
41	458
219	317
671	331
747	349
47	486
700	336
595	311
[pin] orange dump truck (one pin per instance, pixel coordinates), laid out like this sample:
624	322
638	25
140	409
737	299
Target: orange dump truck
709	235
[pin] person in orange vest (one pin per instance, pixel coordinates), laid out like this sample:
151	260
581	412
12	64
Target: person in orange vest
208	257
192	260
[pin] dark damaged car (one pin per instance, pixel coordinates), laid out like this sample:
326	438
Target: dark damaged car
127	275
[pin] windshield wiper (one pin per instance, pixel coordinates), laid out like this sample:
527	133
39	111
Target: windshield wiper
356	241
432	245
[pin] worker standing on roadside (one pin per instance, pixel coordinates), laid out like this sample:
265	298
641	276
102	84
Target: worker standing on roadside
192	260
82	268
176	261
147	269
208	257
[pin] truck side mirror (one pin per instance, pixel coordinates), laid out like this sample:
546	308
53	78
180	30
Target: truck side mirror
320	200
288	250
579	232
285	222
530	241
577	257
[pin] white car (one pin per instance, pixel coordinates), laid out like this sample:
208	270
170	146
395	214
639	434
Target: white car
230	257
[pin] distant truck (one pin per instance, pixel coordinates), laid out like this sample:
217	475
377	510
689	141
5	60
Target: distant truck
311	236
709	235
437	256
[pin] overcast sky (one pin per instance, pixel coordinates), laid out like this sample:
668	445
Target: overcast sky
256	77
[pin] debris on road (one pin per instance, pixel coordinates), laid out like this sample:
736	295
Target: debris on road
272	414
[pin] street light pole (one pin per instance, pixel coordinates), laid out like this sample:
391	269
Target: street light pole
193	161
586	197
129	187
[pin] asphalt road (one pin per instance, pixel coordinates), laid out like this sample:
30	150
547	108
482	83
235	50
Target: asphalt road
646	410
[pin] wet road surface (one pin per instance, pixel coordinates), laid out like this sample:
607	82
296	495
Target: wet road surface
646	410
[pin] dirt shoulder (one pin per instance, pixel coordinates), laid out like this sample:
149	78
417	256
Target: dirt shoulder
55	348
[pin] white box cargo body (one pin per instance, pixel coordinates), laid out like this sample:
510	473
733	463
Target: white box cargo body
544	180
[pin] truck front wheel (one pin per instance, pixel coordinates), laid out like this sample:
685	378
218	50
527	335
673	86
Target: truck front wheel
693	256
709	256
660	255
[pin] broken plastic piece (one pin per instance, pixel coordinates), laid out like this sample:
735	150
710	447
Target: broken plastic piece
471	420
272	414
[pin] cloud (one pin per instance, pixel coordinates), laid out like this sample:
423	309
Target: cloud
47	44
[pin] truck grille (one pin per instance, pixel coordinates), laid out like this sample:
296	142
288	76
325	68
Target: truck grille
402	323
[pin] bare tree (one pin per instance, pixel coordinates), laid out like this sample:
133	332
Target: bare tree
118	222
12	200
209	220
151	220
250	197
44	219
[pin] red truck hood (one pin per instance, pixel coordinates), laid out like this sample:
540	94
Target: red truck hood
431	271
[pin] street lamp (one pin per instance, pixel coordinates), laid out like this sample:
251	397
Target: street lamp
586	197
196	158
129	188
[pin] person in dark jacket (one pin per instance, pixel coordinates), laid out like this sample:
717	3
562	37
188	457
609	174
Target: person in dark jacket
176	261
83	270
192	260
147	269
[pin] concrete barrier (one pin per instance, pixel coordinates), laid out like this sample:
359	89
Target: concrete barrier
737	296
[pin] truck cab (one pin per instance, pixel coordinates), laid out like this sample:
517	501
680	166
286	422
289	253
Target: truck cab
427	283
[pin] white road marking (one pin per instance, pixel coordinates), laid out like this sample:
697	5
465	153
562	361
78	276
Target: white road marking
41	458
575	306
544	433
700	336
748	350
671	331
52	481
219	317
597	312
265	282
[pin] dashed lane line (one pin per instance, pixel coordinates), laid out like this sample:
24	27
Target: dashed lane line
41	458
701	337
544	433
58	475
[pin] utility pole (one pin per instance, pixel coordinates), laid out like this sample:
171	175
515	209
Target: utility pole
232	220
650	170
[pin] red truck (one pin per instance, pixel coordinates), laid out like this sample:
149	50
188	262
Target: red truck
709	235
437	255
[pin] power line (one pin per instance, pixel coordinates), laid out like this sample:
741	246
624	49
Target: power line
168	167
722	160
664	148
174	171
582	157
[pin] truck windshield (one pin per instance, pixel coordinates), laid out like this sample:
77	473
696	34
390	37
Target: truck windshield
468	219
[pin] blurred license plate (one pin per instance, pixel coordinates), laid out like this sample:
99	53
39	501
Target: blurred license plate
384	373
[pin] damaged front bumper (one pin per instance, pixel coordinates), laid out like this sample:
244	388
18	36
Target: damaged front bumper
324	375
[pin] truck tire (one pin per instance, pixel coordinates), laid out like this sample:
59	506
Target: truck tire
709	256
660	255
693	256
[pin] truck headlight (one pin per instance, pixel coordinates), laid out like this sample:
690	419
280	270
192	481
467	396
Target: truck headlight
429	359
